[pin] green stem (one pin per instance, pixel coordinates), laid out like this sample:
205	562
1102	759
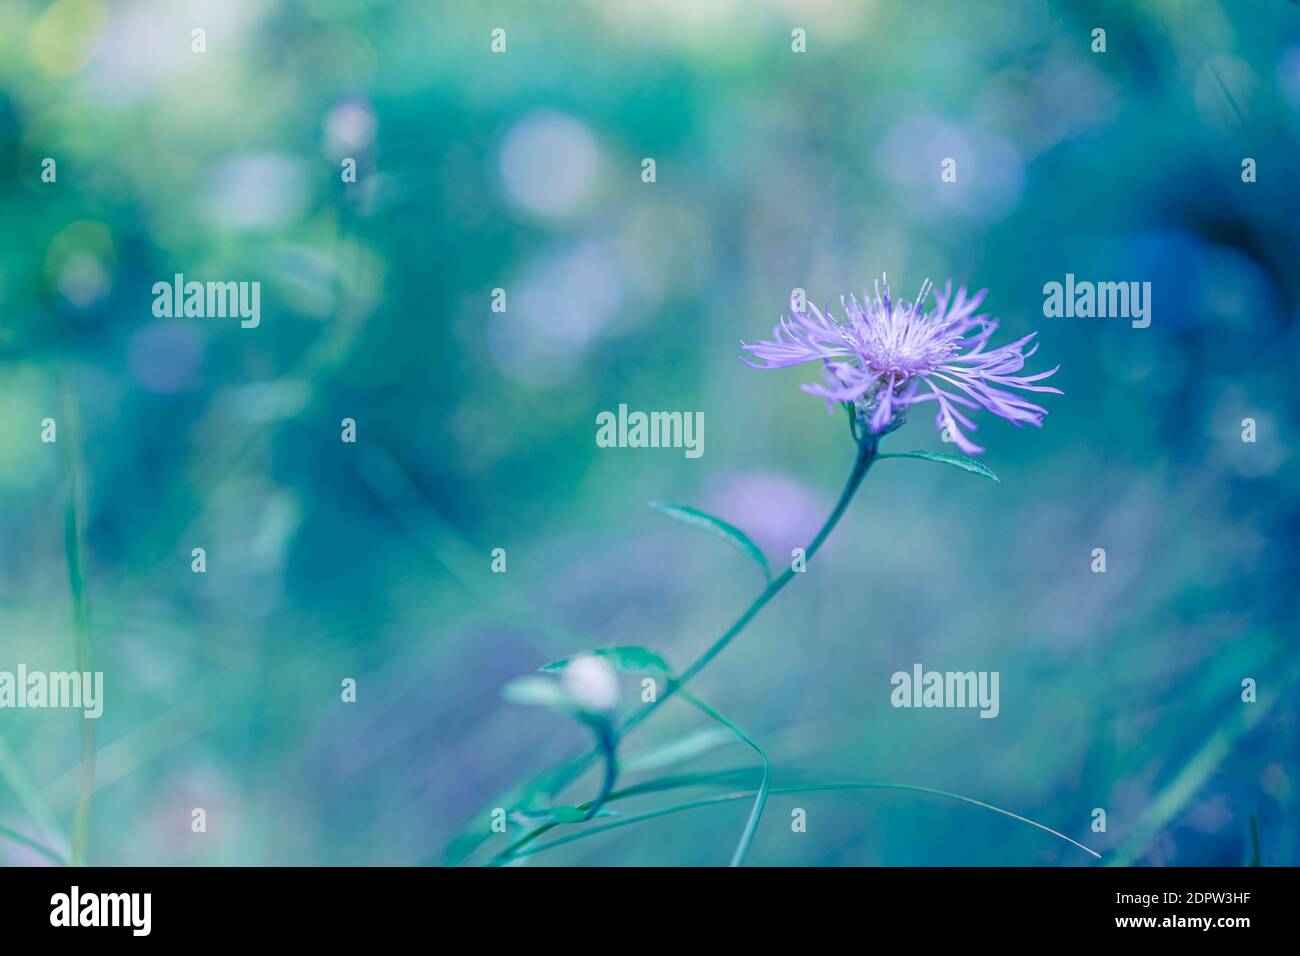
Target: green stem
607	742
566	774
866	455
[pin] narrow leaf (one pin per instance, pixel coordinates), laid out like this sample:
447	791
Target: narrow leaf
536	692
627	660
716	526
685	748
959	461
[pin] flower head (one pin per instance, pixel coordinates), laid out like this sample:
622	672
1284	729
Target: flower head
887	355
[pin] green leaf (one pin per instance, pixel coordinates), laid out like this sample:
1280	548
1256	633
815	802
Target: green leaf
685	748
959	461
567	814
627	660
536	692
558	815
716	526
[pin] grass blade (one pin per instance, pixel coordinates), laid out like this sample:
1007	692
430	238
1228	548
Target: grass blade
760	800
33	845
806	788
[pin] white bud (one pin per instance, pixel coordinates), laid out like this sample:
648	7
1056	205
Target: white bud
591	683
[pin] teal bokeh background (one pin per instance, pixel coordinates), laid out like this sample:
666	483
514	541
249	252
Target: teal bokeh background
522	171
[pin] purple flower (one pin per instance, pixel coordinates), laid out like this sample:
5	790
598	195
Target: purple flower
888	355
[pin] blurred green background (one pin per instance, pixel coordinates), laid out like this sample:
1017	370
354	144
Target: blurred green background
522	171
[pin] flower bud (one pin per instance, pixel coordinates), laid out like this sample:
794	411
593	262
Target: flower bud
591	683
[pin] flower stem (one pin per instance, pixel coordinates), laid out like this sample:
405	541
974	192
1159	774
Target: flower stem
866	455
607	743
567	773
